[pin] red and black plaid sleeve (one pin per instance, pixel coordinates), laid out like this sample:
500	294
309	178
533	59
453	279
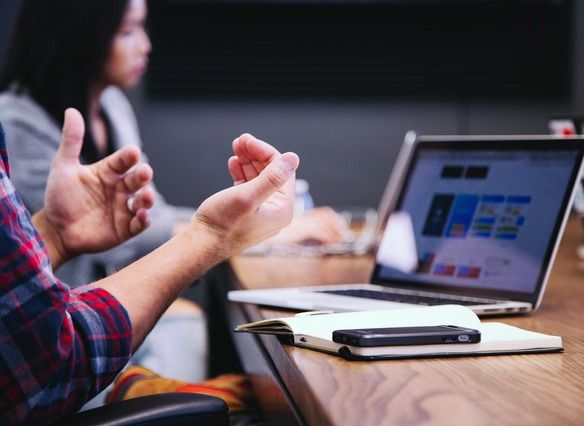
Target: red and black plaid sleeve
58	348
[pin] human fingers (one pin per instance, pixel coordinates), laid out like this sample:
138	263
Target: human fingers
238	149
331	221
235	170
336	231
332	233
249	148
273	178
143	199
71	138
138	178
120	161
248	169
323	234
320	225
139	222
254	154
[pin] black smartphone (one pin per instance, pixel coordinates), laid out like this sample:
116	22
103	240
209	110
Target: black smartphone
396	336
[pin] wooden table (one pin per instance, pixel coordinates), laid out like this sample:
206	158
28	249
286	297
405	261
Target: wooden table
300	386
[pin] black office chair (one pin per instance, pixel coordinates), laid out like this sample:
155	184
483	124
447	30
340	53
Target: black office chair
161	409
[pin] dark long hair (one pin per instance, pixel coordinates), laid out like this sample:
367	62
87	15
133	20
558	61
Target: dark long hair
58	50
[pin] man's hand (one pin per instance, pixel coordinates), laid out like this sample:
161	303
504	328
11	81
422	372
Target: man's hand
260	203
90	208
321	225
258	206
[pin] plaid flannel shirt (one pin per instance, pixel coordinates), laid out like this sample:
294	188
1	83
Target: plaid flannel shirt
58	347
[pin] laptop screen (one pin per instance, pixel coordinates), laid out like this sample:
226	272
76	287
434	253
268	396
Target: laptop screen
479	217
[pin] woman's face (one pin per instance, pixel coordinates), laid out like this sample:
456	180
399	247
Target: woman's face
128	57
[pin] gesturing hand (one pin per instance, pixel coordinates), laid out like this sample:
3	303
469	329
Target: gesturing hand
93	207
321	225
260	203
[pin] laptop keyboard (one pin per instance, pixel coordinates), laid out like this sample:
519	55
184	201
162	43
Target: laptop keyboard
406	298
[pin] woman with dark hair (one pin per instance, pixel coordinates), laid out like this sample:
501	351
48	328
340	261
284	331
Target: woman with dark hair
70	53
58	54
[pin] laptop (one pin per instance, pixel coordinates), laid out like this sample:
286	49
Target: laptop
474	221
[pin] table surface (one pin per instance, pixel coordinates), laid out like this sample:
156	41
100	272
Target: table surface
505	389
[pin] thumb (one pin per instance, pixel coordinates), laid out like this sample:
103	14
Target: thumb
274	177
72	137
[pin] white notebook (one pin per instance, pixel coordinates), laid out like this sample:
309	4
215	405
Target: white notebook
315	332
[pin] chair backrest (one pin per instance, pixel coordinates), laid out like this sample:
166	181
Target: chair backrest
176	408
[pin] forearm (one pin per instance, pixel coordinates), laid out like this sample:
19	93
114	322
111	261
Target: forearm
53	243
148	286
73	345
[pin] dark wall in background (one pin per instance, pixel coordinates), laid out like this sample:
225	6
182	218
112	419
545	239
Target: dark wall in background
347	146
8	11
385	49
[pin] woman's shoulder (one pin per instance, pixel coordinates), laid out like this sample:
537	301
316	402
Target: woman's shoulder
20	111
113	99
122	118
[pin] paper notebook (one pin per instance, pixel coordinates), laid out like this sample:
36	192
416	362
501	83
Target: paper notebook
315	332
